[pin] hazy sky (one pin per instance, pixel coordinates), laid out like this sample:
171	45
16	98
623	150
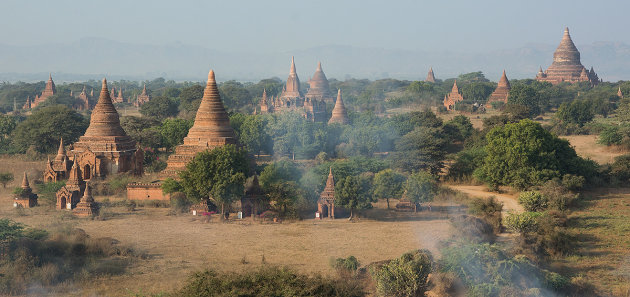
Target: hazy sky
284	25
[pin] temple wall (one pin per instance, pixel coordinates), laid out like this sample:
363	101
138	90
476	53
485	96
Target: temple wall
136	191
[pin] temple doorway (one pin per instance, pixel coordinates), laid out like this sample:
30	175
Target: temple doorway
86	172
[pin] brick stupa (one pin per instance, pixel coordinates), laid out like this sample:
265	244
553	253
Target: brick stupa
453	97
86	207
566	66
430	76
502	91
292	87
326	202
26	198
319	88
211	129
105	148
339	113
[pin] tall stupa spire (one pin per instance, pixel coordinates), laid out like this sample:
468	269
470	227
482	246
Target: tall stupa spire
339	113
105	120
61	152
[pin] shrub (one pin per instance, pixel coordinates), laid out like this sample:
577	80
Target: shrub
179	203
404	276
533	201
345	266
488	209
523	222
473	229
47	191
573	182
610	136
557	195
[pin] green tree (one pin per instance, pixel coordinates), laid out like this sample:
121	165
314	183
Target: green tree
283	195
420	187
524	154
173	131
388	184
234	94
254	135
46	126
218	173
279	171
577	112
145	131
5	178
421	149
190	98
527	96
351	192
7	125
160	107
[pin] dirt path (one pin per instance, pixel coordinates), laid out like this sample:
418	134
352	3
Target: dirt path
510	202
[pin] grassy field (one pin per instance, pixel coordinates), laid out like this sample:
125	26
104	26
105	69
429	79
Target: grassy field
587	147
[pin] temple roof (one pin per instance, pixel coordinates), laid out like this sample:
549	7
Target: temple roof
319	82
87	194
61	152
292	87
339	113
329	190
430	76
105	120
455	89
25	184
503	82
566	53
212	120
253	189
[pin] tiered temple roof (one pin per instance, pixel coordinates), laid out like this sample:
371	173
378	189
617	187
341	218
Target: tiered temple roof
453	97
143	97
85	100
502	91
430	76
26	198
326	202
86	206
339	113
292	87
49	90
319	87
566	66
211	129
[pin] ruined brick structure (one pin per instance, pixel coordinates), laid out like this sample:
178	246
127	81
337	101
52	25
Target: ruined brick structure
453	97
339	113
49	90
105	148
146	191
252	201
312	107
502	91
326	202
86	206
211	129
143	97
117	98
566	66
26	199
430	76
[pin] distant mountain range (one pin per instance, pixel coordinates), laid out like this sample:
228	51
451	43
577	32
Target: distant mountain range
93	58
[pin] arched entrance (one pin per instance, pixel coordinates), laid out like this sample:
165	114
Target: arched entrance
62	203
87	173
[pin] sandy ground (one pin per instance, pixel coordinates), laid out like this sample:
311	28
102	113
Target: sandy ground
510	202
587	147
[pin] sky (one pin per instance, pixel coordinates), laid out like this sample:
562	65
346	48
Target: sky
280	25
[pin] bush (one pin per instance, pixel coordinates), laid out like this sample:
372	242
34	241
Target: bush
473	229
523	222
48	191
179	203
488	209
610	136
557	195
345	266
266	281
533	201
405	276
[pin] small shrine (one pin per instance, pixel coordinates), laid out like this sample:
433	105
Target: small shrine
326	202
26	198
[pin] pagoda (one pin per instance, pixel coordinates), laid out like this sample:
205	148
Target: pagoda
211	129
70	194
453	97
264	103
59	168
143	97
430	76
619	93
339	113
49	90
292	87
319	88
86	207
502	91
105	148
291	98
252	201
84	101
566	66
119	98
25	199
326	202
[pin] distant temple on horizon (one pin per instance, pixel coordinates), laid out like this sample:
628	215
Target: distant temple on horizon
143	97
501	93
453	97
312	106
566	66
49	90
430	76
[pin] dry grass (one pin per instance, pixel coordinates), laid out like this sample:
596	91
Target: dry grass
587	147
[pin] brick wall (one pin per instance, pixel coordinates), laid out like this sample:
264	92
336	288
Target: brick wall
153	191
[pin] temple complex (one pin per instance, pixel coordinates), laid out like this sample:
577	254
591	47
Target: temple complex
453	97
59	168
339	113
566	66
70	194
264	103
143	97
119	98
86	206
252	201
84	101
211	129
49	90
26	198
430	76
502	91
326	202
319	88
105	148
291	99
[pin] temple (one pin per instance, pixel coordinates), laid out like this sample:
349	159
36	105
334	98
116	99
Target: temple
49	90
59	168
326	202
26	198
453	97
211	129
566	65
84	101
86	206
339	113
502	91
143	97
619	93
252	201
319	88
430	76
311	107
119	98
70	194
105	148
